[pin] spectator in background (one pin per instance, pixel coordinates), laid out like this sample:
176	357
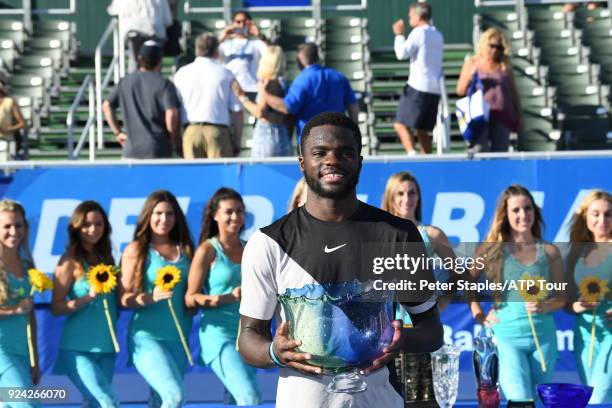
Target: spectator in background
214	286
208	103
298	197
315	90
418	105
242	45
271	135
492	63
11	120
149	105
139	21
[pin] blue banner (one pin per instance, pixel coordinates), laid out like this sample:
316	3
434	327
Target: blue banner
457	196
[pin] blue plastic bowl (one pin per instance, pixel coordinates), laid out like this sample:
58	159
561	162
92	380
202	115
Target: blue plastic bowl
565	395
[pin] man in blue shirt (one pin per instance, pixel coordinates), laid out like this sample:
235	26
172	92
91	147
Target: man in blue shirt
315	90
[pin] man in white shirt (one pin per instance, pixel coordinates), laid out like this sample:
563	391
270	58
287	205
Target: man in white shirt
139	21
209	106
418	106
242	45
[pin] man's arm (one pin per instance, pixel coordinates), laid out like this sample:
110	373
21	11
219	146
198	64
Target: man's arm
254	342
111	119
426	333
237	123
172	126
276	102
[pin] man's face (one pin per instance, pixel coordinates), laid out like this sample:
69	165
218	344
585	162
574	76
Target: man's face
331	162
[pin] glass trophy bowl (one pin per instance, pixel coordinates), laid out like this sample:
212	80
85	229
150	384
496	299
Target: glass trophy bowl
343	326
558	395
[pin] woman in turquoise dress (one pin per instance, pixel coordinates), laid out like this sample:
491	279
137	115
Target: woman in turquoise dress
514	247
161	239
87	353
402	198
589	263
16	305
214	286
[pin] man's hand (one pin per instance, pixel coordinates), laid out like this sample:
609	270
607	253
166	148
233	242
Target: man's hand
284	351
390	351
398	27
121	138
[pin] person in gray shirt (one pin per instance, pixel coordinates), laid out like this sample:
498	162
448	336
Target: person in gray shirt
149	105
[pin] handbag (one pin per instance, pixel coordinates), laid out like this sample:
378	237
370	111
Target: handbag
472	110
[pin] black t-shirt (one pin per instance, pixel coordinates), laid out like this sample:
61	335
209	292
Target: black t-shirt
144	98
299	249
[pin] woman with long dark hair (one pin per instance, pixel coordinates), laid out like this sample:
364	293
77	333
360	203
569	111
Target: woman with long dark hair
87	350
589	268
16	305
214	286
161	239
515	251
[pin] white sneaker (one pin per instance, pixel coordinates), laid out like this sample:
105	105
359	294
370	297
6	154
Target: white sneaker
411	153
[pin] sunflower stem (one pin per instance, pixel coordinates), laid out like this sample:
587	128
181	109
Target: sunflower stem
537	342
30	344
180	332
592	345
111	329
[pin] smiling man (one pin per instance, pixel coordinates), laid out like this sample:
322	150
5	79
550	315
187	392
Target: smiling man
317	243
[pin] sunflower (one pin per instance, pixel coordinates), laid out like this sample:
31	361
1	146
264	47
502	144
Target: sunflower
103	278
531	292
593	289
167	277
39	280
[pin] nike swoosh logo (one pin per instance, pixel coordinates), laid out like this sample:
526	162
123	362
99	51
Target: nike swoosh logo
330	250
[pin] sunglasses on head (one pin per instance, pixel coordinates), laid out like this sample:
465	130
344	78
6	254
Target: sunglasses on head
497	46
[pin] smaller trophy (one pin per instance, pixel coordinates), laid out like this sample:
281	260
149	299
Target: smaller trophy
486	367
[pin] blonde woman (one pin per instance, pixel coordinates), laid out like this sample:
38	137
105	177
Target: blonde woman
514	247
298	197
492	64
16	306
591	257
271	134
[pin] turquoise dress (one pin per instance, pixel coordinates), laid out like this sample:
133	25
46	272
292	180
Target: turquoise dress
87	354
219	331
598	375
154	343
14	353
519	362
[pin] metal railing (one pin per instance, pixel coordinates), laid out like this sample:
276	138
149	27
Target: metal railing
316	8
73	152
113	71
443	128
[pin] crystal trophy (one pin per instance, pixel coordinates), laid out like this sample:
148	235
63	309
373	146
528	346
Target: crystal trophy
445	370
343	326
486	368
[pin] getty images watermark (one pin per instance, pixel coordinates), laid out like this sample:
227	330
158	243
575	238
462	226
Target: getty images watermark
517	272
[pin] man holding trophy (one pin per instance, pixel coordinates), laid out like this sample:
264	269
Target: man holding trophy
334	333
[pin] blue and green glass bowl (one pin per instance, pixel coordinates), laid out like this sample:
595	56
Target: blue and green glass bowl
559	395
343	325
